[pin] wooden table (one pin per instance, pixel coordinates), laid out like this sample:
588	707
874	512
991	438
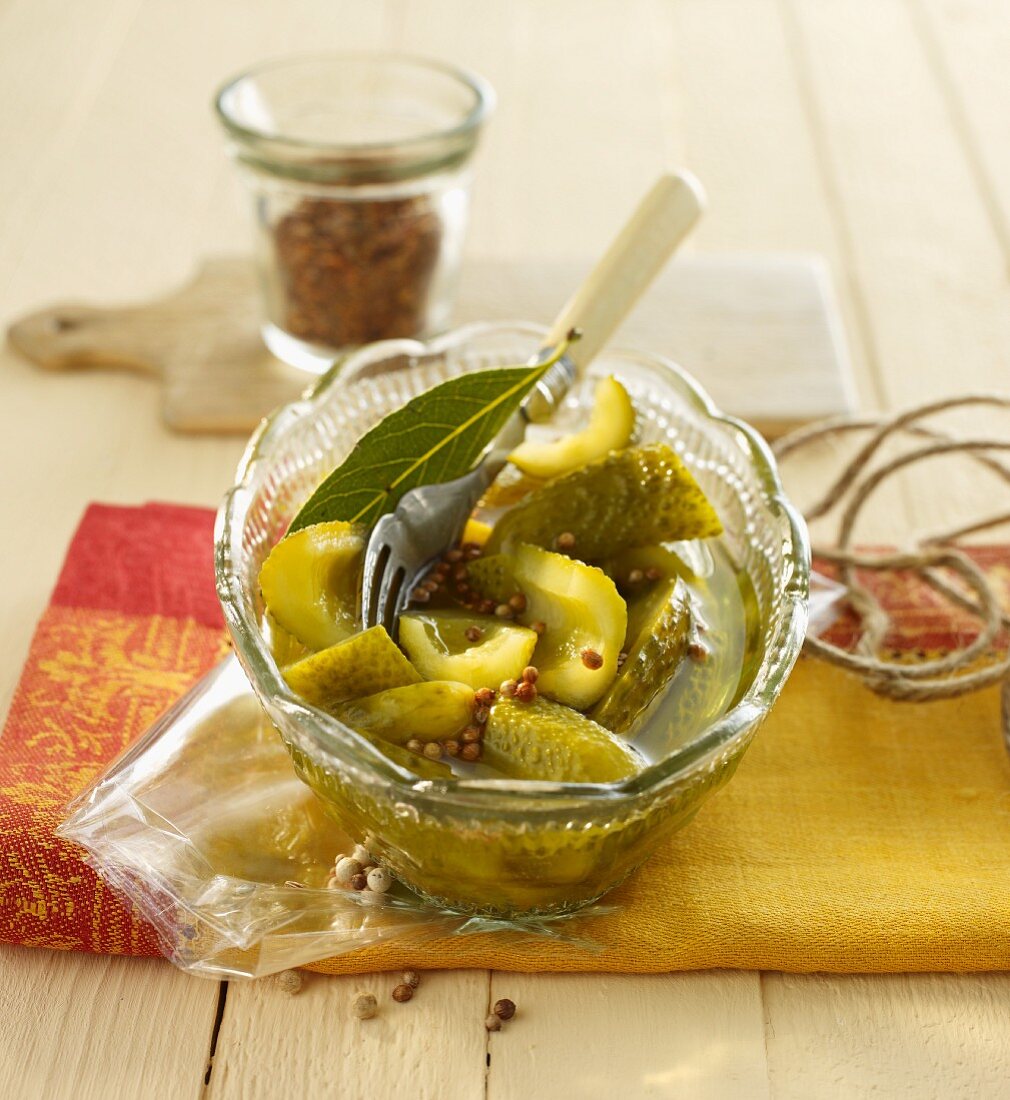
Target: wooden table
872	131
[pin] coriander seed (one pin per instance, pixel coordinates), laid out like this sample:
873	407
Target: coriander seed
451	747
636	576
364	1006
531	674
538	627
474	634
420	595
411	978
358	882
481	715
697	652
433	750
470	752
653	574
517	602
403	992
414	745
492	1023
565	541
454	556
471	734
526	692
484	696
361	854
507	688
503	611
591	659
504	1009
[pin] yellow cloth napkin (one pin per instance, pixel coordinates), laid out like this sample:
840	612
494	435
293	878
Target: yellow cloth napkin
857	835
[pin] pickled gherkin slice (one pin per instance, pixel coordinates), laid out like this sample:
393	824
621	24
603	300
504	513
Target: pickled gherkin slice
644	559
362	665
508	488
637	497
438	645
429	711
284	646
585	623
661	621
310	582
610	428
547	741
493	577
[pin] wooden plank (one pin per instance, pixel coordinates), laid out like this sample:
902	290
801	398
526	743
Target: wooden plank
70	48
309	1044
602	1035
733	109
555	178
89	1026
922	1035
933	275
967	43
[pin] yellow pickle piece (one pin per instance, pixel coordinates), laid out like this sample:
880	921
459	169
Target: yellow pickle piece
662	626
610	428
637	497
428	711
310	582
585	622
547	741
465	647
361	665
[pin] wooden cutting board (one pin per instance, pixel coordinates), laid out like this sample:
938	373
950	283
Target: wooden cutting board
761	333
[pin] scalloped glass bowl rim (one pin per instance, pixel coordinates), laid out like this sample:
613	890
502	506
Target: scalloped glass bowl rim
314	727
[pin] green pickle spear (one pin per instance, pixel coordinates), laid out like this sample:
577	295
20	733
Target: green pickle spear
659	623
428	711
551	742
636	497
585	623
310	582
362	665
464	647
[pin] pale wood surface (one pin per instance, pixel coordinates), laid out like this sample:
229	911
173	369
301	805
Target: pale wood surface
762	329
871	131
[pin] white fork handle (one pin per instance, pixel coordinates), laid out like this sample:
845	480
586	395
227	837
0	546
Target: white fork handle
660	222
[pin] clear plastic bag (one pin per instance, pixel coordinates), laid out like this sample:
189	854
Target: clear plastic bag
205	827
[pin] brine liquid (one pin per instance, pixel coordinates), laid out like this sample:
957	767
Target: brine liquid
699	691
702	691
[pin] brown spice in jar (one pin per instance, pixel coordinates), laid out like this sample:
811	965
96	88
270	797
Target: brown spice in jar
352	270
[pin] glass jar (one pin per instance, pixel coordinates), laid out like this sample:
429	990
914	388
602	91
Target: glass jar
359	170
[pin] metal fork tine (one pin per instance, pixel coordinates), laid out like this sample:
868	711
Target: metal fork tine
389	595
376	562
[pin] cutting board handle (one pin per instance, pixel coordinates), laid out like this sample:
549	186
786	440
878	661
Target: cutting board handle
70	337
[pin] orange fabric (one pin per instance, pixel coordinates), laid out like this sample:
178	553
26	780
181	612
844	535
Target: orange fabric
130	627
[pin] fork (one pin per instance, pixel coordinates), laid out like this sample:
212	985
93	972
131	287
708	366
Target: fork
405	541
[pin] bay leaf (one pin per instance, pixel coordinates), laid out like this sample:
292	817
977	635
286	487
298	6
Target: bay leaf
437	436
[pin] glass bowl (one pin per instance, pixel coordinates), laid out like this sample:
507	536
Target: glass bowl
508	848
